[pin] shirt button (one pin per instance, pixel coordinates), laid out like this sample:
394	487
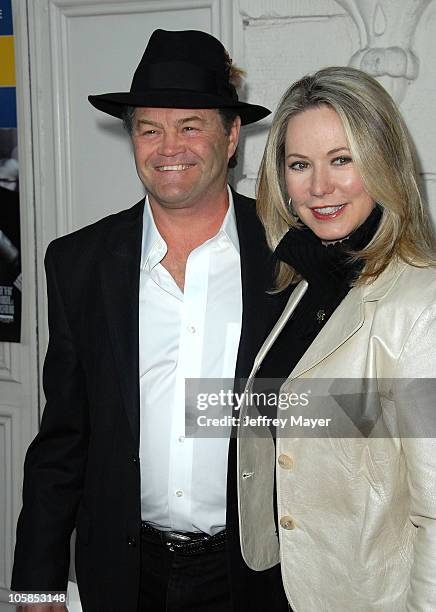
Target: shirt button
179	493
131	542
192	329
181	439
285	461
287	522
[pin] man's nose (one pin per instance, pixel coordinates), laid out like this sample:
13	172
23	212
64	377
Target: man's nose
171	143
321	182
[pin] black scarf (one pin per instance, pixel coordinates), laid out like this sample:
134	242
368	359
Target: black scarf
330	272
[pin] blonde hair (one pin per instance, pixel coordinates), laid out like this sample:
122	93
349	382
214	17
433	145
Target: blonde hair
383	154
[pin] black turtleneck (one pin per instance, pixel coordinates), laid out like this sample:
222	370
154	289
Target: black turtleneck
330	272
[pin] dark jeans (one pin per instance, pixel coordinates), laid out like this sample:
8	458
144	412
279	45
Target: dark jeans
173	582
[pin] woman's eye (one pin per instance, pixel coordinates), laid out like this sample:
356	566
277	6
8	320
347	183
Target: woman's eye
298	165
342	161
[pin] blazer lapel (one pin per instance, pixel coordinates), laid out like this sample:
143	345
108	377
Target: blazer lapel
347	318
120	289
345	321
258	307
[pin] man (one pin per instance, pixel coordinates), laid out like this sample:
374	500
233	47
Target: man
172	288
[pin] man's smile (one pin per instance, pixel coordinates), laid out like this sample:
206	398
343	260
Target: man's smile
175	167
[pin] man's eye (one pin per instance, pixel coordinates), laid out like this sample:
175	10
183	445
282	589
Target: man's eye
189	128
143	131
342	161
298	165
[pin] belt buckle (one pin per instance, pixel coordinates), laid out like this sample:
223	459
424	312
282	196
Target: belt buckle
179	537
176	540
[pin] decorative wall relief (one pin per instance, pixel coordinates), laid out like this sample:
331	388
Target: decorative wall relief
386	29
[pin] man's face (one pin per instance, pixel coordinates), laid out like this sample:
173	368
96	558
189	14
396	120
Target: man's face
181	155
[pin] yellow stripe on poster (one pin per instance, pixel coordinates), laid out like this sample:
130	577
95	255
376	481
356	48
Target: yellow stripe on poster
7	61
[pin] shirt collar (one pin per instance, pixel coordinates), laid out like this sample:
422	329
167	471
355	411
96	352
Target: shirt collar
154	247
229	224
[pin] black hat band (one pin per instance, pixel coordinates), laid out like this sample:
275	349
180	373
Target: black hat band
182	76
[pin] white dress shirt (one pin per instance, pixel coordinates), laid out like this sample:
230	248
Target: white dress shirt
190	334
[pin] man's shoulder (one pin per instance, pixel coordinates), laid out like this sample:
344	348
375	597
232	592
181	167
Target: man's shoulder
90	237
241	200
245	211
247	220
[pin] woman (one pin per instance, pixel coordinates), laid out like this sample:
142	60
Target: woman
356	497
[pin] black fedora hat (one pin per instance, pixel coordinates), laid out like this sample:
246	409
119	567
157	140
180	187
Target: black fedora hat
186	69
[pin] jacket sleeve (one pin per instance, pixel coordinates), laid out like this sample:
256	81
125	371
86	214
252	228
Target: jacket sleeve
56	459
415	399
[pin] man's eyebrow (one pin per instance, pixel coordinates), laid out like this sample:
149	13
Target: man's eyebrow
149	122
191	118
145	121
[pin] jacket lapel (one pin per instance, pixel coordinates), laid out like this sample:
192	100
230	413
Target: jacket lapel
347	319
120	289
258	307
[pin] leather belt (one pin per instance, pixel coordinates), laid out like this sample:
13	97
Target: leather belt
186	543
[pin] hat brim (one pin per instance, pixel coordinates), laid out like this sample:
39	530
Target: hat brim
113	103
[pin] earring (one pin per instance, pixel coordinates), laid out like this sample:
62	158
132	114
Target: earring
291	209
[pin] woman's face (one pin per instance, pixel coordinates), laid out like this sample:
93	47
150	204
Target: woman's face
326	190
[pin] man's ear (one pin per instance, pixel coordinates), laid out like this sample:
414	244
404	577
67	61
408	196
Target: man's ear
234	136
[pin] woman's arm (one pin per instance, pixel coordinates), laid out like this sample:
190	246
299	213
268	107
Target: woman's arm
415	399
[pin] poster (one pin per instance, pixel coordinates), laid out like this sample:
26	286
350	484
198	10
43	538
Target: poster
10	264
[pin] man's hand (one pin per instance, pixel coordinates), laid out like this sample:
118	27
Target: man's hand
43	608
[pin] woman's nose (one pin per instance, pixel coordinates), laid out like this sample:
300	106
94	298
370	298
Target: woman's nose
321	183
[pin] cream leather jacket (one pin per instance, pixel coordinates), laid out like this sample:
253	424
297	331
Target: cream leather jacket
356	515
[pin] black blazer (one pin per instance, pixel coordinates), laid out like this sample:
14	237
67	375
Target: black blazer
82	469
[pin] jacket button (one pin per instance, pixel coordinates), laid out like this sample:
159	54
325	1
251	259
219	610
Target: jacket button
134	459
131	542
285	461
287	522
